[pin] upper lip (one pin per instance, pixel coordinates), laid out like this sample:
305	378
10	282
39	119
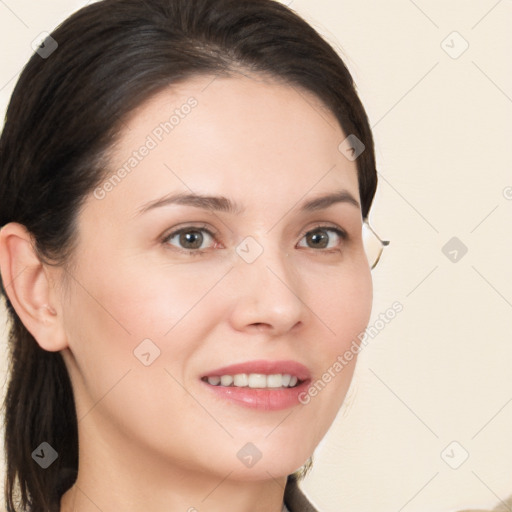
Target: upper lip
264	367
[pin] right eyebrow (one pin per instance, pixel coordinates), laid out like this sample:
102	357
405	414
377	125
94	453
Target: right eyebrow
216	203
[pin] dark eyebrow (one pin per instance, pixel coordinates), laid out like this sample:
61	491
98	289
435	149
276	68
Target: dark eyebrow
216	203
223	204
322	202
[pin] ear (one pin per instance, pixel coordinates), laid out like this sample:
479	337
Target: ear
29	284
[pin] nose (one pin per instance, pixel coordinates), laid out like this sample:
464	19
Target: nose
269	294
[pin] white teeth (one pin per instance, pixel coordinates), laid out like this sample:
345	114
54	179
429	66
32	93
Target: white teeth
241	380
275	381
254	380
257	380
226	380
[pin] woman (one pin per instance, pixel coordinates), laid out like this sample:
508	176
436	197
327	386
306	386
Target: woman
184	190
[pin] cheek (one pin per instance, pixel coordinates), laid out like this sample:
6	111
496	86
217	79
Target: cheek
143	299
344	309
116	309
113	312
342	304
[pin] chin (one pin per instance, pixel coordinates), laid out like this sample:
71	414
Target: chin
265	470
273	461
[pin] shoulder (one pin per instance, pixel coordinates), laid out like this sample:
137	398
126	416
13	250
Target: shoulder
295	499
504	506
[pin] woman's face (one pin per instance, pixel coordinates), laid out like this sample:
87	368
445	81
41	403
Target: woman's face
151	313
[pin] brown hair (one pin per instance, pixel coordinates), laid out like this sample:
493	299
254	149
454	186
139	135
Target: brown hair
63	117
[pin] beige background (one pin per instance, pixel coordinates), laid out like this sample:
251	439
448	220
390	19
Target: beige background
441	370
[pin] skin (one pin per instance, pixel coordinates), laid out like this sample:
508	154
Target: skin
152	437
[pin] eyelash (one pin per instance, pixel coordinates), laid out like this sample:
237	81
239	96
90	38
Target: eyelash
200	252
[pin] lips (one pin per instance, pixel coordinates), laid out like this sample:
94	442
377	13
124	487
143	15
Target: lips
262	398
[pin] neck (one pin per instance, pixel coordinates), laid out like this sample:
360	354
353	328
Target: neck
216	495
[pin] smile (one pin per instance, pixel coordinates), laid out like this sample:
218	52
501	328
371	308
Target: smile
260	384
254	380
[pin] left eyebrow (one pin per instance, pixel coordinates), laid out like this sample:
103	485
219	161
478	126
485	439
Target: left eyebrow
322	202
223	204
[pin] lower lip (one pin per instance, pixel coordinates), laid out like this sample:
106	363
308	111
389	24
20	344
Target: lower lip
263	399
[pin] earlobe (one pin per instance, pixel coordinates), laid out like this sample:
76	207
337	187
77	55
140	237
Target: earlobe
30	290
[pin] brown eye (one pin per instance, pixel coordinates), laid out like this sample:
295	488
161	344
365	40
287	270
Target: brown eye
319	238
190	238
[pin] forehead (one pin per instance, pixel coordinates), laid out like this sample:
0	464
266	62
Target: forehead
251	138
